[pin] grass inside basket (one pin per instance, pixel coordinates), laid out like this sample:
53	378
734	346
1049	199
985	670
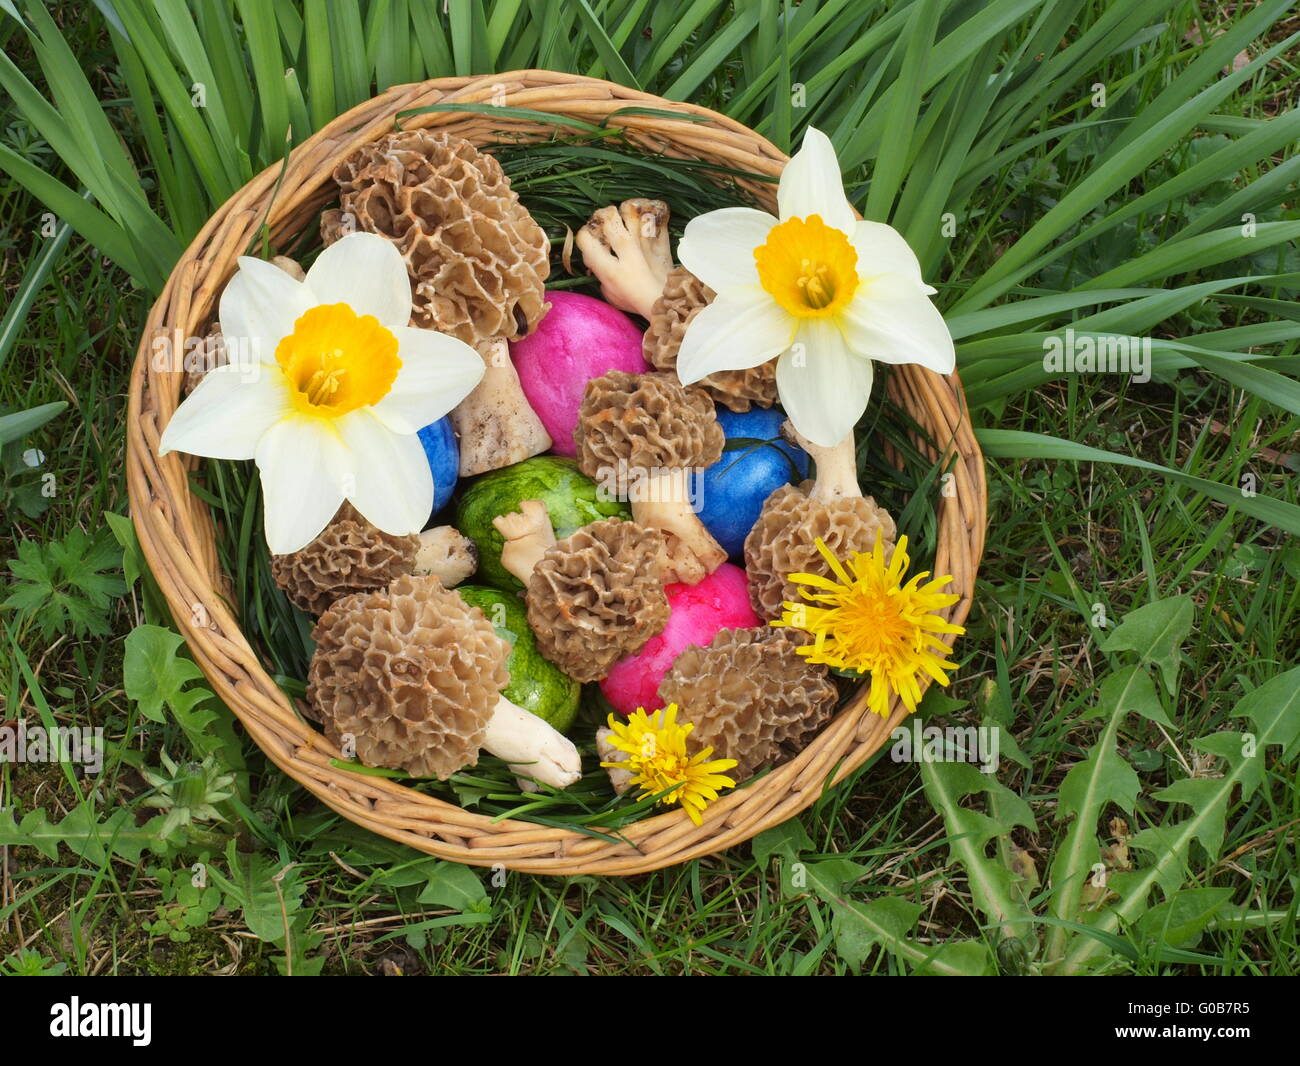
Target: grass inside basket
561	182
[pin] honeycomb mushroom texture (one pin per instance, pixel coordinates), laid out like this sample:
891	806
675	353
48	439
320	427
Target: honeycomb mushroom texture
750	696
645	421
596	596
412	672
783	541
684	296
350	555
477	261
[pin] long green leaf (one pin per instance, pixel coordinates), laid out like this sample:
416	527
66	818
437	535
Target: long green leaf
1014	444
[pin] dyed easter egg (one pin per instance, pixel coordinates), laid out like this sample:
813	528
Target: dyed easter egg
536	684
571	499
755	461
695	614
578	339
443	453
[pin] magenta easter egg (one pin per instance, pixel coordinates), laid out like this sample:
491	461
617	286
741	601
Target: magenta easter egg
578	339
696	614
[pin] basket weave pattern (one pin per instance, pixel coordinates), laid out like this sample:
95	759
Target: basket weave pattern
179	540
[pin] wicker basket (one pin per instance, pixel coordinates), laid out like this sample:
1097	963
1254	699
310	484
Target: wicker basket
178	538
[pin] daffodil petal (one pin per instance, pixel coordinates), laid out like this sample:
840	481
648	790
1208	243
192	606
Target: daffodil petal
227	413
882	250
299	459
393	485
718	246
366	272
823	386
437	372
891	320
742	328
811	184
258	308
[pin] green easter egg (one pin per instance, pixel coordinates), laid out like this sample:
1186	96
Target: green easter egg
536	683
571	499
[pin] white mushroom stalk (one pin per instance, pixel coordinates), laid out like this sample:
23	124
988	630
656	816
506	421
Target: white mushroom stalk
495	423
627	248
660	501
447	554
619	778
528	534
837	467
532	747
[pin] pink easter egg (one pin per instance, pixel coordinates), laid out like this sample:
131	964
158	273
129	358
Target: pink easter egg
696	614
578	339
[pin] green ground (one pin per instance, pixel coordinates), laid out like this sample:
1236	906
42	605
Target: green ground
901	867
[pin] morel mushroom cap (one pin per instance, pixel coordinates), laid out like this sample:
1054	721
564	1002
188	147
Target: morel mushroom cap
349	555
412	673
352	555
477	260
783	540
597	596
684	297
645	421
751	696
653	437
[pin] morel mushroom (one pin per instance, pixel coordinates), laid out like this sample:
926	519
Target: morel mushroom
478	262
351	555
619	778
626	247
412	676
751	696
650	438
832	508
684	296
478	265
593	597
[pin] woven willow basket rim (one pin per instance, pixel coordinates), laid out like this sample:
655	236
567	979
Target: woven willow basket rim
178	537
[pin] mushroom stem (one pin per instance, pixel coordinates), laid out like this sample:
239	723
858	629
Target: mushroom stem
837	467
447	554
626	247
531	746
495	423
528	533
290	267
620	778
660	501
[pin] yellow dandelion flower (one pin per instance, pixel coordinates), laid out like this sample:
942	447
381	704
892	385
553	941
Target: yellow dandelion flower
655	746
869	621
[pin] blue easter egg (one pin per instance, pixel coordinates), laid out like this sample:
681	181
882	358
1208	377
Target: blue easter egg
755	461
443	453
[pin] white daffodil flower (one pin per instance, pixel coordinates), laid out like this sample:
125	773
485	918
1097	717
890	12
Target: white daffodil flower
327	388
819	291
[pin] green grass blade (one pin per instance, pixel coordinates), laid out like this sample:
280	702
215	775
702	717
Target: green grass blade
1015	444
